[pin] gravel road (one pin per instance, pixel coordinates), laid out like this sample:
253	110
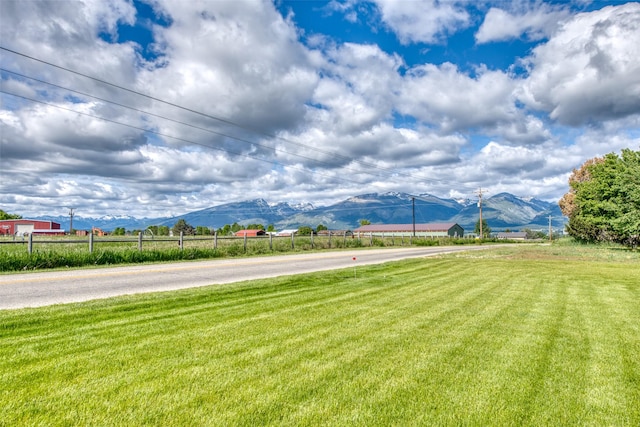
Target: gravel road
57	287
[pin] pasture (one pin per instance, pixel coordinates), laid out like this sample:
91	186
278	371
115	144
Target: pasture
524	335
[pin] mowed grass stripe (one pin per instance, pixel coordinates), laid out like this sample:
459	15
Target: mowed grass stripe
446	341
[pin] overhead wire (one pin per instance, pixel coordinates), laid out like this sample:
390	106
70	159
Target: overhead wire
391	172
225	135
240	154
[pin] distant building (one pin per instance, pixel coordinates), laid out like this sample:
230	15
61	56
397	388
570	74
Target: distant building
98	232
512	235
250	233
335	232
437	229
24	227
289	232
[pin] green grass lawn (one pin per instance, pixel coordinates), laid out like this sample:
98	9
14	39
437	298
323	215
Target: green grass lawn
527	335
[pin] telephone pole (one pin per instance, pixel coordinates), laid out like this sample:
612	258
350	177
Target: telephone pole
480	207
413	214
71	221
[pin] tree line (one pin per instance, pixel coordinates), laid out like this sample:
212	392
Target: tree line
182	226
4	215
188	230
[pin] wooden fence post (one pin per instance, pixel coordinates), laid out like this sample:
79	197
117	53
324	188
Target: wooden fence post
91	242
30	243
245	242
270	241
292	244
215	240
181	242
140	241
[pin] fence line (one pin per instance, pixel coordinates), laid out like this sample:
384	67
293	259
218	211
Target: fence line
143	241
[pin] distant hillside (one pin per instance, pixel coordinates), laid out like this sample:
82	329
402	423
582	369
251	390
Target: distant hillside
505	210
378	209
256	211
501	211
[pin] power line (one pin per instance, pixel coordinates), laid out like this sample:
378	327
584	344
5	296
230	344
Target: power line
173	120
177	138
222	120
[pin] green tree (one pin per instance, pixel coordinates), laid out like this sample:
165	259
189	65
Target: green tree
5	215
235	227
531	234
364	222
255	227
202	230
153	229
486	230
184	227
118	231
271	228
305	231
225	230
321	227
163	230
603	203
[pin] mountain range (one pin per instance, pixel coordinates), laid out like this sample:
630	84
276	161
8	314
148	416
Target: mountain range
501	211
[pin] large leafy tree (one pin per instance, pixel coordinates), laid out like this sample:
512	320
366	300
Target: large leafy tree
603	202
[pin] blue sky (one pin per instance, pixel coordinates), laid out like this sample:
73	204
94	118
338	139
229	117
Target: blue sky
155	108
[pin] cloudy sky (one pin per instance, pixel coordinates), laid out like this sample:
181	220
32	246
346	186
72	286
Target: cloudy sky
161	107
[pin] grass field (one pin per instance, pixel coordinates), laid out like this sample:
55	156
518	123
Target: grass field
527	335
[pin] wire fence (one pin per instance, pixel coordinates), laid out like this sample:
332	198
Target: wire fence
271	242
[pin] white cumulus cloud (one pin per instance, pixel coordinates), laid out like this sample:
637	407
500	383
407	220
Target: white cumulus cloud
534	24
589	71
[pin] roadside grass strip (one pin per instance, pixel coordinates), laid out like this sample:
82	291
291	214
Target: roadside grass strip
506	337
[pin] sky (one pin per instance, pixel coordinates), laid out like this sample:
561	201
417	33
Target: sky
154	108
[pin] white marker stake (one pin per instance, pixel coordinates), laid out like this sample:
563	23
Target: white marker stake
354	269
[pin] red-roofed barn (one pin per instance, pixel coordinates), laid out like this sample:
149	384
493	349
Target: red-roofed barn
23	227
250	233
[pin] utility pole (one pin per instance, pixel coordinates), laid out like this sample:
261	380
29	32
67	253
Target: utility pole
71	221
413	214
480	207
